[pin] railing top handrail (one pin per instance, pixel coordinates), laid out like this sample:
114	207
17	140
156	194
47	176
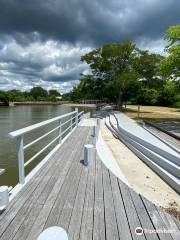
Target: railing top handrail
80	113
22	131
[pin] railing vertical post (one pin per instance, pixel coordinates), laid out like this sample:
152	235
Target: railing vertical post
71	122
82	116
60	131
76	109
21	160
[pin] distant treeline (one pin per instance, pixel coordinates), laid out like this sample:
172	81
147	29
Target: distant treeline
35	94
121	73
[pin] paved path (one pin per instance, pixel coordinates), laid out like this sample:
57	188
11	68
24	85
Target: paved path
89	202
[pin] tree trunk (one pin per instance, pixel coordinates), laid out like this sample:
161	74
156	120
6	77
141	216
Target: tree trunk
119	102
125	104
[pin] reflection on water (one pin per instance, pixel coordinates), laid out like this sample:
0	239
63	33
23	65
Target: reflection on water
13	118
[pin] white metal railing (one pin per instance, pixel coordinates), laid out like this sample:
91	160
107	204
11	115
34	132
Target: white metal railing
74	119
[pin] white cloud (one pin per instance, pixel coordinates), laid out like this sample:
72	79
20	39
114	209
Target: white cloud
154	46
47	64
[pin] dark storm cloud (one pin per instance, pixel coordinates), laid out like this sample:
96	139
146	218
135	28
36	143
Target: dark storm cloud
95	21
41	41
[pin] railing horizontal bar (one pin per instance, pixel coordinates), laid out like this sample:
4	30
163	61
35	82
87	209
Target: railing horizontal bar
67	121
74	124
22	131
41	151
80	113
73	117
38	139
65	130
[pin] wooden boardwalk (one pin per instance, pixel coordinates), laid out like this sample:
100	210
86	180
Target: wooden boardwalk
89	202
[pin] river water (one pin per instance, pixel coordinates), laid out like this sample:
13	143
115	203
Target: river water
13	118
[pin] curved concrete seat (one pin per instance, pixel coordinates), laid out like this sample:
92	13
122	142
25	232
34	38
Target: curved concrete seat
131	129
165	167
53	233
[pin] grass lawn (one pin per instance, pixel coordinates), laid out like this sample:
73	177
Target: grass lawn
153	113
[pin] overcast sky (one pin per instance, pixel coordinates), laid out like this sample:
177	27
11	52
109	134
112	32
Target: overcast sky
41	41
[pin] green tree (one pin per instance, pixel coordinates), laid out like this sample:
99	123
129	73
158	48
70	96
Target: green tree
4	97
124	86
15	95
170	94
55	93
147	65
38	93
170	66
110	59
147	96
109	62
90	87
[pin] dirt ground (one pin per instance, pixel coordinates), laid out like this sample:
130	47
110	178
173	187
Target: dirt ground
140	177
153	112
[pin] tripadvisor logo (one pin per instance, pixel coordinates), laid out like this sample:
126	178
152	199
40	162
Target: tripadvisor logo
139	231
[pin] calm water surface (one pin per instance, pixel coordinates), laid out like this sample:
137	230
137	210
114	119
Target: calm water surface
13	118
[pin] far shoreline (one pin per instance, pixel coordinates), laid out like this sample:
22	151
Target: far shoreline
39	103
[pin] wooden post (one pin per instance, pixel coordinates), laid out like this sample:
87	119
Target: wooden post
21	160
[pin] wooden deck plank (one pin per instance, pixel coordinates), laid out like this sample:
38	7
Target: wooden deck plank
156	219
58	205
89	226
54	215
67	210
34	200
11	212
22	213
99	221
42	218
88	201
110	216
86	230
131	213
122	221
144	218
25	228
177	223
26	192
170	224
73	222
76	217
